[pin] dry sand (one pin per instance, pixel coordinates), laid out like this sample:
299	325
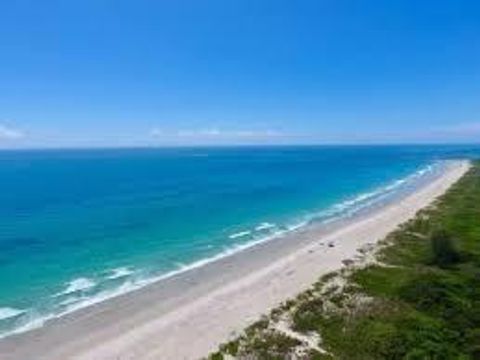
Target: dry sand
187	316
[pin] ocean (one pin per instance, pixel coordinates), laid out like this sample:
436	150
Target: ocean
81	226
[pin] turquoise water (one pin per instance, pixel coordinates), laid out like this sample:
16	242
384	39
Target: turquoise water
80	226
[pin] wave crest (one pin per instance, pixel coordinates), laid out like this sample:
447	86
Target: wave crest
8	312
79	284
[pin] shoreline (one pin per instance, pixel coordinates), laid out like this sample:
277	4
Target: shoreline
344	210
187	316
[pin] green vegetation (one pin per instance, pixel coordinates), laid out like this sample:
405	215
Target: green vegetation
443	249
421	300
264	344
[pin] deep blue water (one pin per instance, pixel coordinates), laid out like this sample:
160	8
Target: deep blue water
77	226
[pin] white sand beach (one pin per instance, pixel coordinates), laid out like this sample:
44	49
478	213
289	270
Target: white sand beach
189	315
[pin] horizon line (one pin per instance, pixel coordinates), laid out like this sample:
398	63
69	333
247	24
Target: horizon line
193	146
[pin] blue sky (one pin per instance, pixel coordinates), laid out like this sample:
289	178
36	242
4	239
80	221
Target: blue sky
133	73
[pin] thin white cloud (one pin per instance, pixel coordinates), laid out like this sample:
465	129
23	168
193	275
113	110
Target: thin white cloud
216	134
467	129
9	133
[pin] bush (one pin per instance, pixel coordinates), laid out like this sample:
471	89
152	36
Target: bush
308	315
442	296
216	356
271	345
231	347
443	249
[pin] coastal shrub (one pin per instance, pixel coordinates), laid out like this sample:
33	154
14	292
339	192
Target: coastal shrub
308	315
276	313
231	347
426	337
216	356
270	345
257	326
472	340
443	249
325	279
411	248
382	281
434	293
384	334
339	299
358	338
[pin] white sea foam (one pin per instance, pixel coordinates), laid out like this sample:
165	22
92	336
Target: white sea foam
8	312
71	300
240	234
369	198
264	226
101	296
79	284
297	225
31	322
119	273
